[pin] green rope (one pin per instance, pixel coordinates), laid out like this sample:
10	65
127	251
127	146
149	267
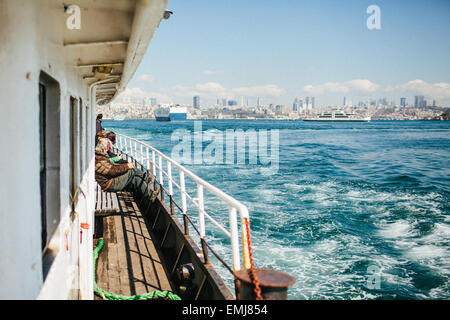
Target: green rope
166	295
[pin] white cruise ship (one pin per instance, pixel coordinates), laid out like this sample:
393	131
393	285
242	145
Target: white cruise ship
162	113
338	116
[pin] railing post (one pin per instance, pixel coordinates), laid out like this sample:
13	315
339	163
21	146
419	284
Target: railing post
161	177
153	163
183	203
135	154
148	160
169	174
201	208
169	181
201	220
126	149
234	238
142	155
161	181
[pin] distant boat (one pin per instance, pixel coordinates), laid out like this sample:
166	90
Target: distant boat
338	116
162	114
178	113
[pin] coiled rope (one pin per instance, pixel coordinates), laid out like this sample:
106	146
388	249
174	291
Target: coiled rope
164	295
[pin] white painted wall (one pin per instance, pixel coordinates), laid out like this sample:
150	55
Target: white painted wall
31	41
32	35
20	265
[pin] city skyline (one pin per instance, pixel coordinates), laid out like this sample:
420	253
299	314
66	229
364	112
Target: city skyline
277	52
308	102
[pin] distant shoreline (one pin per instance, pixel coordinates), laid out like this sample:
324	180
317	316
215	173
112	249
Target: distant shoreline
273	119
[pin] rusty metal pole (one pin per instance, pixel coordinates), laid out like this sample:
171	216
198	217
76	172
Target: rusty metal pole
204	250
186	224
274	284
172	210
162	193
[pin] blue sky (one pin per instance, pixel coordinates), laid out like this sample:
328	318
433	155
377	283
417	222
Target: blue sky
282	49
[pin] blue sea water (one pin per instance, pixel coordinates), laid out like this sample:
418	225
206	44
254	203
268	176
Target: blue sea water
353	211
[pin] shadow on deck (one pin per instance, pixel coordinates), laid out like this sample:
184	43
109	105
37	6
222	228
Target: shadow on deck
129	263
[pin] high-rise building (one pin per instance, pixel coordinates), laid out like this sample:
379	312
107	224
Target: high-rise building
313	102
295	105
345	102
196	102
403	102
419	102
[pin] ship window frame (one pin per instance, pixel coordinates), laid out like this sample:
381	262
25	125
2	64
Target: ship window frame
81	137
50	157
78	153
74	146
84	135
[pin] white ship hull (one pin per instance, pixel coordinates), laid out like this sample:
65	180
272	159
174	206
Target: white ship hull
162	114
338	120
337	116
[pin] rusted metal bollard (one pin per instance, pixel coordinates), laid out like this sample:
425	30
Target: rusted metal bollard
274	284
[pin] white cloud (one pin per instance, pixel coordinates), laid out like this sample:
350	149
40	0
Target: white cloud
213	90
138	93
358	85
211	87
440	90
211	72
145	78
269	90
133	92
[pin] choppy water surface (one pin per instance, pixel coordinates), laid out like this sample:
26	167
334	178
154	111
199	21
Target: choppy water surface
354	211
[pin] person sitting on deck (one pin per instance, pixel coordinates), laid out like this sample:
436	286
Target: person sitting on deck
116	158
98	124
113	177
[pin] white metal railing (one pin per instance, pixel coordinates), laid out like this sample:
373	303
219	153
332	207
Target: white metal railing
141	153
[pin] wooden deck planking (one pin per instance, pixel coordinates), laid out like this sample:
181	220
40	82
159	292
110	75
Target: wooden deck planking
129	262
152	266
